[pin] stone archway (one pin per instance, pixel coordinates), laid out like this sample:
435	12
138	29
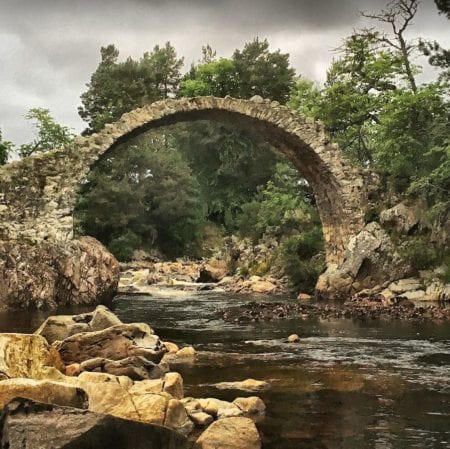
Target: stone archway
38	193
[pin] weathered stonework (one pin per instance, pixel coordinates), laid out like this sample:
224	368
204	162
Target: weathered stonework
38	193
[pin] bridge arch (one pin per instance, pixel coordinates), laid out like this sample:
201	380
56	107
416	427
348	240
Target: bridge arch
38	193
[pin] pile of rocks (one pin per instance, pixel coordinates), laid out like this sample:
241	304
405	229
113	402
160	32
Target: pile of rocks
81	375
357	307
148	278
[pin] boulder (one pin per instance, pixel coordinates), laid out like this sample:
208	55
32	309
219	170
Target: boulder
171	348
59	327
114	343
135	367
199	418
437	291
263	286
52	274
220	409
177	418
173	384
213	271
230	433
50	392
403	217
28	356
294	338
28	424
251	405
186	352
370	260
304	297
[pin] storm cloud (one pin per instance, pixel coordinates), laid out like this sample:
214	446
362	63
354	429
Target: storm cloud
49	48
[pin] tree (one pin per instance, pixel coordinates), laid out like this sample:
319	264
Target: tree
358	84
118	87
264	73
50	135
438	56
229	165
443	6
217	77
5	149
142	196
398	15
254	70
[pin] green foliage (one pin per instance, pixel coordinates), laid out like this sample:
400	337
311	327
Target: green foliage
254	70
420	254
118	87
50	135
229	165
279	209
143	196
218	78
5	149
301	259
124	245
264	73
284	210
412	139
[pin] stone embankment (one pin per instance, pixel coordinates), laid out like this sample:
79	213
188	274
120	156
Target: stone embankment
90	380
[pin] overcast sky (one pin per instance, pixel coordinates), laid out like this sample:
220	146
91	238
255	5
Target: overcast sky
49	48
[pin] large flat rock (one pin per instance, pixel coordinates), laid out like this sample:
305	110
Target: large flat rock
32	425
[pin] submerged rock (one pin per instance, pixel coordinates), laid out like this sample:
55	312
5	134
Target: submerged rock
245	385
31	425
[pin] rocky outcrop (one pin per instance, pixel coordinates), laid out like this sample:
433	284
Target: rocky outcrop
50	274
403	217
370	260
27	424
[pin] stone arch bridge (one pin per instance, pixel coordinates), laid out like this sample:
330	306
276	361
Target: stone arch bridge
38	193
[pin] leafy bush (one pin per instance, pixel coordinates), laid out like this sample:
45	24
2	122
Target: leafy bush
300	258
123	246
420	254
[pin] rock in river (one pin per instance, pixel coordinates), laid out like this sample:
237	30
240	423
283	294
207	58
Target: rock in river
114	343
59	327
230	433
31	425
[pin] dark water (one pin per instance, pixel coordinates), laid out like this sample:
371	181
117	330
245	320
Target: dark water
348	384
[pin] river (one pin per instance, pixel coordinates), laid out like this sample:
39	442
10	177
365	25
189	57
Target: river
348	384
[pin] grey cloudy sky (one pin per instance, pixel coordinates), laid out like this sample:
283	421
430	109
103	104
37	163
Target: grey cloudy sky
49	48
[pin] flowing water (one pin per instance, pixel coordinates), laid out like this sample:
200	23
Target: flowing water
347	384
